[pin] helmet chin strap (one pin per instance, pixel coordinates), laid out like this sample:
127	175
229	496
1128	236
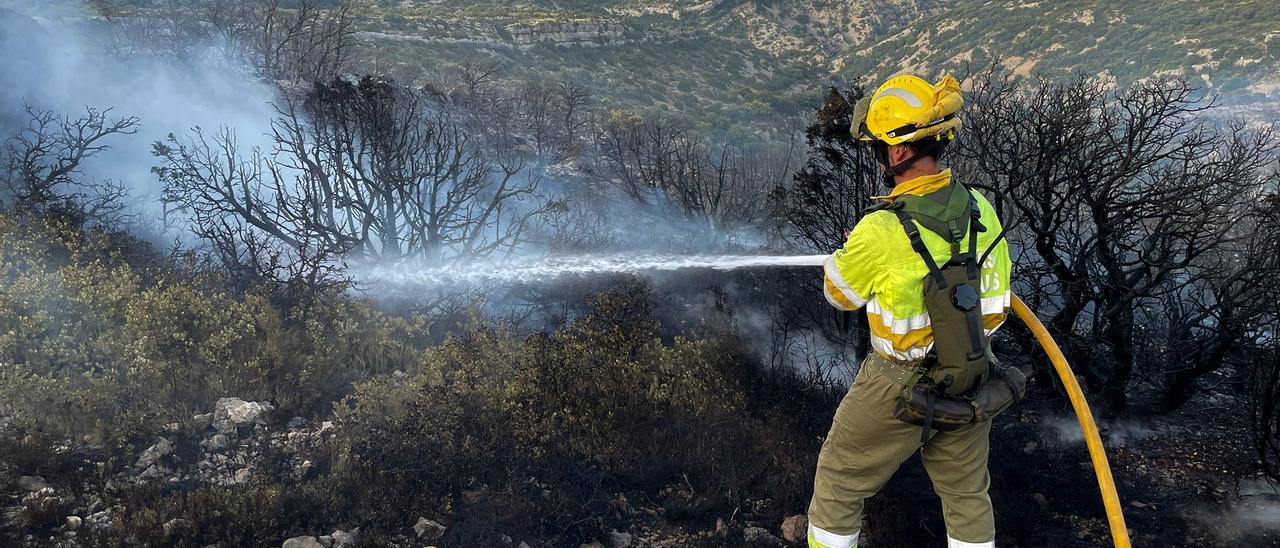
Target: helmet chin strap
889	172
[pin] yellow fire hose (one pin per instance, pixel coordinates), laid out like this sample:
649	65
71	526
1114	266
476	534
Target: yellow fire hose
1110	499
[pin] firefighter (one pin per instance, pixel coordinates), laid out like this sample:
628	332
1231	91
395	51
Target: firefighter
929	265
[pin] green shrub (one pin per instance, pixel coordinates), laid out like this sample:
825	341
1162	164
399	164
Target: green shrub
104	346
602	400
100	342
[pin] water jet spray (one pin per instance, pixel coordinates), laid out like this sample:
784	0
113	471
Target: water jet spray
550	268
545	269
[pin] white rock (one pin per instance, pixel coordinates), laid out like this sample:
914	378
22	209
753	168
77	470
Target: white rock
302	542
73	523
619	540
300	471
172	525
424	525
203	420
149	457
345	539
758	534
229	413
326	427
217	442
31	483
152	472
99	520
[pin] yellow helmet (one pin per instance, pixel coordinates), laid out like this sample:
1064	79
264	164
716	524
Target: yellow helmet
906	108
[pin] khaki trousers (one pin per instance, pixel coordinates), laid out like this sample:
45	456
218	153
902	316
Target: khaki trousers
866	445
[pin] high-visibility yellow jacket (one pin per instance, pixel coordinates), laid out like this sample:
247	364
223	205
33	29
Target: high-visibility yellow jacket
877	268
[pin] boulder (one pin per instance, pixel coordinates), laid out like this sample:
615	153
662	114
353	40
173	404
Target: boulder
302	542
301	470
230	413
426	527
326	428
152	455
153	472
99	520
73	523
174	525
759	536
795	528
203	420
217	442
31	483
619	539
345	539
620	505
722	528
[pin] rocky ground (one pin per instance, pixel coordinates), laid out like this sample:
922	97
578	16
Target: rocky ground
1181	485
226	447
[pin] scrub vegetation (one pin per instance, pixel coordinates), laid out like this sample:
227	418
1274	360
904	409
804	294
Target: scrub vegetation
225	376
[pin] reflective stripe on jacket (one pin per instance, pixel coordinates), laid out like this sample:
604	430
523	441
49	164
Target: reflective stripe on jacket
877	268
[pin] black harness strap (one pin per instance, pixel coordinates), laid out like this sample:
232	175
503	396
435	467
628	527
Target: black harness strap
975	226
931	401
974	273
917	244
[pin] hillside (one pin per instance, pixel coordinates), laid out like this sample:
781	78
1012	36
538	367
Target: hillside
1233	49
734	61
728	62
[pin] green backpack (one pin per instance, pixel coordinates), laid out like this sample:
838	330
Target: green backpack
951	389
952	291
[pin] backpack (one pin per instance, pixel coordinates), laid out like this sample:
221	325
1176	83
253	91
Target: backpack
951	388
952	291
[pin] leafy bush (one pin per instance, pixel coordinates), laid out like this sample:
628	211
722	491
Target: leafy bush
104	346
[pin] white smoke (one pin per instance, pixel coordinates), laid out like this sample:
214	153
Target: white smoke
1250	517
1113	433
58	56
